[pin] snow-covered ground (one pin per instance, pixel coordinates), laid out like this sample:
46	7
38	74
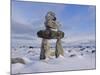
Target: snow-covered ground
77	56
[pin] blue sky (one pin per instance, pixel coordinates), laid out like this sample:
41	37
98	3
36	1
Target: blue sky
77	21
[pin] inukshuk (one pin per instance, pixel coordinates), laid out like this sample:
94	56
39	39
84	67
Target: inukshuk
51	32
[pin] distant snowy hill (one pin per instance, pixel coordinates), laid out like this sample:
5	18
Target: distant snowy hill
37	43
79	43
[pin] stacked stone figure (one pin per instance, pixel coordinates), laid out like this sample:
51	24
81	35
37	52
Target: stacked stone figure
51	32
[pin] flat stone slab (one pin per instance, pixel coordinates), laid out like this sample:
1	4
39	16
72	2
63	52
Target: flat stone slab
49	34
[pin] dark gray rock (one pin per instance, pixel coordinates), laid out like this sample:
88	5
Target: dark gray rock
72	55
17	60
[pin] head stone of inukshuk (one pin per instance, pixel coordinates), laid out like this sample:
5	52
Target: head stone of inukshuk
52	30
50	21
